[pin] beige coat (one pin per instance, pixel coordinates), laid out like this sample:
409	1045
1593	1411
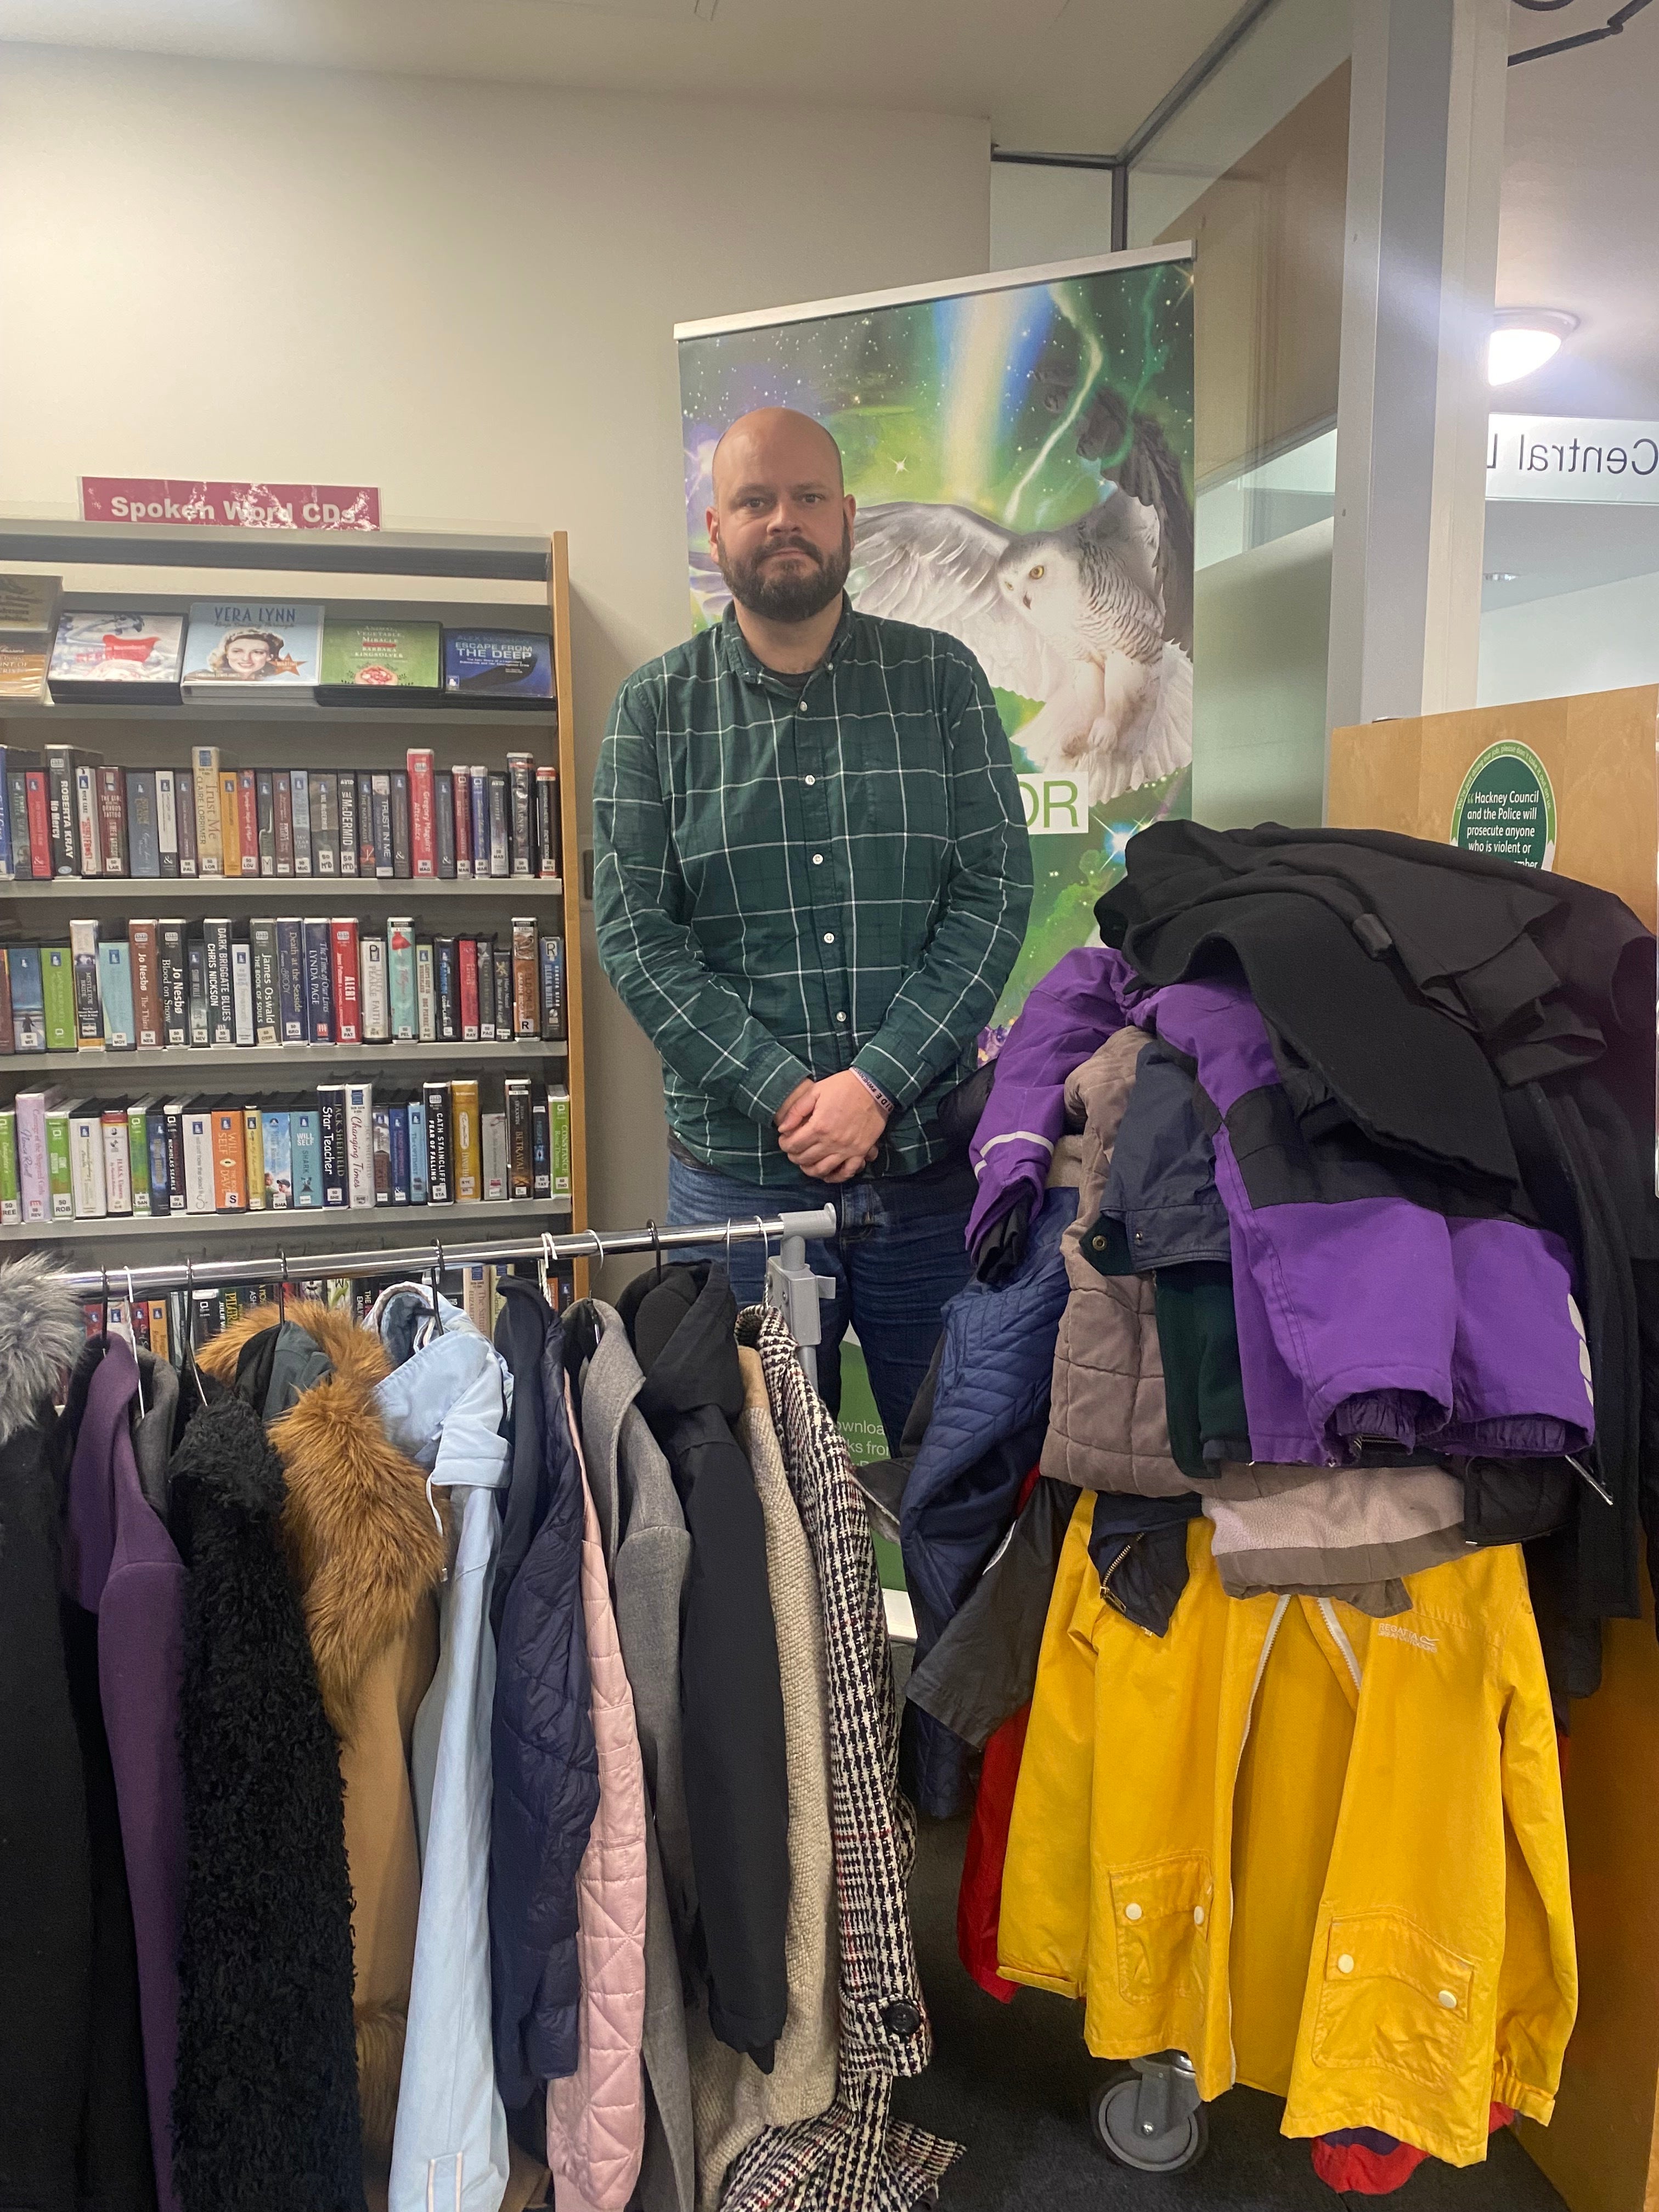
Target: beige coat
732	2100
1107	1429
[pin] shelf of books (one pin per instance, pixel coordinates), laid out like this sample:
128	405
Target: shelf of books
282	899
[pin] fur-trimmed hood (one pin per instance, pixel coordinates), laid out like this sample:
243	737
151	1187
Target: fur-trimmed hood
364	1547
41	1330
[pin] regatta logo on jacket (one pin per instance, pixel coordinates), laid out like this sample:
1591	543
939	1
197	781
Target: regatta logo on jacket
1405	1635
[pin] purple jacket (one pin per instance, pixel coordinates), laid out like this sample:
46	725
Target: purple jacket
119	1563
1364	1314
1078	1004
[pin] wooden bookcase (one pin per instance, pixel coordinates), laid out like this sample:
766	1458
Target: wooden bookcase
357	575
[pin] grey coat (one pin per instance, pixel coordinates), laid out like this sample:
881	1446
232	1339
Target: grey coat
646	1550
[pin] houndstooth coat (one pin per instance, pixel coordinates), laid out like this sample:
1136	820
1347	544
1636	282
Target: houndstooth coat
852	2157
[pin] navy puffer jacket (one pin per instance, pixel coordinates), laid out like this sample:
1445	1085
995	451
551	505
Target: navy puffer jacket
546	1776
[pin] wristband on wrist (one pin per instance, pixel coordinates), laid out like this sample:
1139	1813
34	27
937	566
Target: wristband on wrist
876	1093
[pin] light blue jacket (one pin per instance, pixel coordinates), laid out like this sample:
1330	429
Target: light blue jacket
442	1408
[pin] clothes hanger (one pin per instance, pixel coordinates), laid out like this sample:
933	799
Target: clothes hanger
281	1291
189	1330
131	1303
545	1265
437	1300
656	1246
103	1309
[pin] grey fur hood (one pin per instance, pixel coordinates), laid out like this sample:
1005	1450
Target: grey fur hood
42	1330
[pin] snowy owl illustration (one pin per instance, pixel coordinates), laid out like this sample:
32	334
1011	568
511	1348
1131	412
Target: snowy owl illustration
1074	617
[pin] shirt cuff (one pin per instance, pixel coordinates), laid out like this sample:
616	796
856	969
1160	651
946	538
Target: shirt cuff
765	1092
890	1076
876	1093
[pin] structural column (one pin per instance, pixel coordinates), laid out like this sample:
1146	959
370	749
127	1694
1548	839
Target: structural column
1425	150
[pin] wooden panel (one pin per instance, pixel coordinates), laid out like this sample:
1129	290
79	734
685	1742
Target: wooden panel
570	863
1602	2149
1600	750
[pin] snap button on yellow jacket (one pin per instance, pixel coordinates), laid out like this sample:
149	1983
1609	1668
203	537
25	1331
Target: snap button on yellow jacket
1323	1855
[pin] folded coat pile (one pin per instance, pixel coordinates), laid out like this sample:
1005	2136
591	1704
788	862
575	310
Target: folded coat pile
408	1804
1354	1392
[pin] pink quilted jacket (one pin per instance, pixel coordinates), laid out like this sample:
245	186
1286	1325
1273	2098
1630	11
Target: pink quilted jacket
596	2118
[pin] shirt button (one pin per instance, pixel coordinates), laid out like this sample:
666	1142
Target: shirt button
1448	2000
1132	1912
1198	1916
817	859
840	1018
829	936
1345	1964
810	779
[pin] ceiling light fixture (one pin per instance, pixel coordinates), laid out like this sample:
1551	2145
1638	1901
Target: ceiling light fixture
1523	339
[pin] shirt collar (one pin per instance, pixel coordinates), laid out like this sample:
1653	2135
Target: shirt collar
739	657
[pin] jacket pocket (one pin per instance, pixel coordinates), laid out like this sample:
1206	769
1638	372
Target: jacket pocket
1393	1997
1161	1917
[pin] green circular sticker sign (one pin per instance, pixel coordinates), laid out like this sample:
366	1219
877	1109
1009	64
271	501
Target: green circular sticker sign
1506	807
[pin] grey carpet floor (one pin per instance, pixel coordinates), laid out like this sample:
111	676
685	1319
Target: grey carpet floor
1013	2083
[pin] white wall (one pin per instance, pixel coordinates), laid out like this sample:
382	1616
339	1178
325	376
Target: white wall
464	294
1599	639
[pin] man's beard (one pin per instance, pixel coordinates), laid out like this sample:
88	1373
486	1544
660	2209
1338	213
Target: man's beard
789	595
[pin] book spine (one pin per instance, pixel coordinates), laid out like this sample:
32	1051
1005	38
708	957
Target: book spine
89	838
7	869
501	825
558	1145
167	821
143	836
375	1002
277	1144
426	991
527	979
400	977
241	994
486	964
350	848
264	802
28	1013
519	1184
34	1187
460	780
172	980
469	1165
466	970
331	1149
136	1133
201	1195
299	807
348	1022
478	790
222	991
174	1116
449	990
62	818
282	825
360	1146
190	862
7	1043
115	996
118	1163
366	863
380	791
216	833
503	957
230	823
267	993
307	1156
162	1195
398	1129
552	953
401	846
42	860
422	828
60	1202
248	819
443	824
325	823
320	983
230	1160
57	997
522	791
89	1008
87	1193
540	1158
253	1154
146	986
17	800
112	822
380	1154
440	1172
547	823
290	979
420	1188
493	1146
202	985
11	1204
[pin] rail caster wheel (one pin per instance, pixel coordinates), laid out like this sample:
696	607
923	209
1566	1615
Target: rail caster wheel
1181	2144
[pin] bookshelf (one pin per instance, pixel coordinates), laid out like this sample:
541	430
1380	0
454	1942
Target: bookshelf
520	583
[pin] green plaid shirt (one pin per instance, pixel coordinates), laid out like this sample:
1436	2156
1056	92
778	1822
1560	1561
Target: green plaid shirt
791	879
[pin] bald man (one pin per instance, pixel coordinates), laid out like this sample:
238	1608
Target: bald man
811	879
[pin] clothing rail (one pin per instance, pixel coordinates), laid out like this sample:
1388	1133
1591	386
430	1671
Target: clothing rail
791	1285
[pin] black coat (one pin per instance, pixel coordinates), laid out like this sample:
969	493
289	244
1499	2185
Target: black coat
74	2135
265	2108
736	1797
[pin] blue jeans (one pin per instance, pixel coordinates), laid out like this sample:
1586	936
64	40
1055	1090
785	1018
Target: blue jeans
899	1256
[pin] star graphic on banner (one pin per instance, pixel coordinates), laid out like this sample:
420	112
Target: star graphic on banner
900	467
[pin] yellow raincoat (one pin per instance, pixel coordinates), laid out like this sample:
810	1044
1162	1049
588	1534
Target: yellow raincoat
1322	1853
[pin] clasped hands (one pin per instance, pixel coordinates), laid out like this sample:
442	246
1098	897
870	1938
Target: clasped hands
830	1129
